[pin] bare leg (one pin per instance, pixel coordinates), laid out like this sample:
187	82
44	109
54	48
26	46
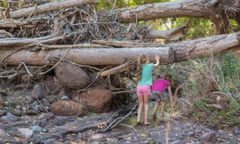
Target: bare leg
163	103
155	110
146	105
140	106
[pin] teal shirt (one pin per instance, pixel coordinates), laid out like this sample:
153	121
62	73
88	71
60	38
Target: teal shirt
146	78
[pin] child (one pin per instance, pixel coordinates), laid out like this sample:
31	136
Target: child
144	82
159	92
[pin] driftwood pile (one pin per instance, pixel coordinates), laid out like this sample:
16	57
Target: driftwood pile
62	49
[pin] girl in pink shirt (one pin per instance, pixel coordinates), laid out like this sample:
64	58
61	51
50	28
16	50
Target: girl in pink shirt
159	89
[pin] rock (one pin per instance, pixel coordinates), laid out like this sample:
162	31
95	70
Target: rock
185	141
49	116
2	112
26	132
68	108
36	128
9	117
51	85
71	76
37	92
209	137
97	100
2	133
64	97
236	131
1	102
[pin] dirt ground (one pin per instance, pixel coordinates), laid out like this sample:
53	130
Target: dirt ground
47	128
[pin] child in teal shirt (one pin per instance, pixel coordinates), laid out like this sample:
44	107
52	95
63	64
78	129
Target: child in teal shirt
144	78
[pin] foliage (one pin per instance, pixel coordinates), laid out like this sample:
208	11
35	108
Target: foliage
208	80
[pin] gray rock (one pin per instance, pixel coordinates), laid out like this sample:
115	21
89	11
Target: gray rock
2	133
236	131
209	137
26	132
36	128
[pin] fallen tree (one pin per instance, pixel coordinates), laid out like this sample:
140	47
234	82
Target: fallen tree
175	52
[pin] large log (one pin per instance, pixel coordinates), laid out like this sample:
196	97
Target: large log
175	52
87	56
203	47
218	11
49	7
185	8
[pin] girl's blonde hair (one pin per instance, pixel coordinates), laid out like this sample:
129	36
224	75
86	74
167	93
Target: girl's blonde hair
143	59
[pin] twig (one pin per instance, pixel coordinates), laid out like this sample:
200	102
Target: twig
116	121
27	70
43	73
119	68
129	127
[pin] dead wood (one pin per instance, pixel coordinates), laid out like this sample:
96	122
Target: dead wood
84	45
12	43
189	8
120	68
5	34
44	8
117	118
218	11
176	52
119	44
12	23
86	56
173	34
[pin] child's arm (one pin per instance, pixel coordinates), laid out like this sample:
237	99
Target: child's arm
157	57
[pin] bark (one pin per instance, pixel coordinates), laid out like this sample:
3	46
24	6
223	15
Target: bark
203	47
175	52
10	23
187	8
12	43
173	34
218	11
93	56
114	70
49	7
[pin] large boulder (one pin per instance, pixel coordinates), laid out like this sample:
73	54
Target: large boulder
97	100
68	108
71	76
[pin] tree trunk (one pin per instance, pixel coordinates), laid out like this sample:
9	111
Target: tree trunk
218	11
176	52
189	8
87	56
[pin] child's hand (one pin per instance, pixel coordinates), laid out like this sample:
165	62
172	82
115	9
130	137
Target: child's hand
157	57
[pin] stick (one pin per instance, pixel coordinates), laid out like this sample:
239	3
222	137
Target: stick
120	68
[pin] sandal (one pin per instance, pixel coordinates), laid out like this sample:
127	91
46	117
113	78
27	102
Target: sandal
147	123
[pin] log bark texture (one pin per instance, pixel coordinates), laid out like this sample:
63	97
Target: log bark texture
218	11
93	56
189	8
49	7
175	52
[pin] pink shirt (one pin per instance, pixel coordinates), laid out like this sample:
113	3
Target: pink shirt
160	85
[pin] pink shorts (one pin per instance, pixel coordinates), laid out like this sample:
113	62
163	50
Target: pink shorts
143	90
